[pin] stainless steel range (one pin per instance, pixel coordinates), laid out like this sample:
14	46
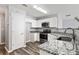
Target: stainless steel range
44	34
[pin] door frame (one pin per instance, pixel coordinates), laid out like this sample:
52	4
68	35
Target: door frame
25	32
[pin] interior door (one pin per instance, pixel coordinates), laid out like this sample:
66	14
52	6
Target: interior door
28	35
17	30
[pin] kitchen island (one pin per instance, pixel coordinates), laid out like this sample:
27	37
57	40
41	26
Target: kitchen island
57	47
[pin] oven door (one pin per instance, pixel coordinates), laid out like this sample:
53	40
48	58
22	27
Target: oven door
43	37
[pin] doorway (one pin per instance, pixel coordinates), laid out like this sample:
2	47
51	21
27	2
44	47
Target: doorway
2	28
28	34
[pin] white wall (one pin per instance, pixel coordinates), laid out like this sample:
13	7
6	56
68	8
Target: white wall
16	27
70	23
7	28
2	28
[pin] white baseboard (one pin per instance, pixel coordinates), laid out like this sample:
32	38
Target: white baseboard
8	50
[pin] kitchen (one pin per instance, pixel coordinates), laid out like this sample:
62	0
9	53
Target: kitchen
42	29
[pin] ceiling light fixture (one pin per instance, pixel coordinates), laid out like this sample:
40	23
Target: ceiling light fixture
40	9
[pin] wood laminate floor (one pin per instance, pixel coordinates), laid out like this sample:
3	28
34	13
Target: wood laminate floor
2	50
30	49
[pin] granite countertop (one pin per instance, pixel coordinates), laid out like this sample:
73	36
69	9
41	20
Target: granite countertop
58	47
45	47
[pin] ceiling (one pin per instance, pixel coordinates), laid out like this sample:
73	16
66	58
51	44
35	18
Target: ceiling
64	9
